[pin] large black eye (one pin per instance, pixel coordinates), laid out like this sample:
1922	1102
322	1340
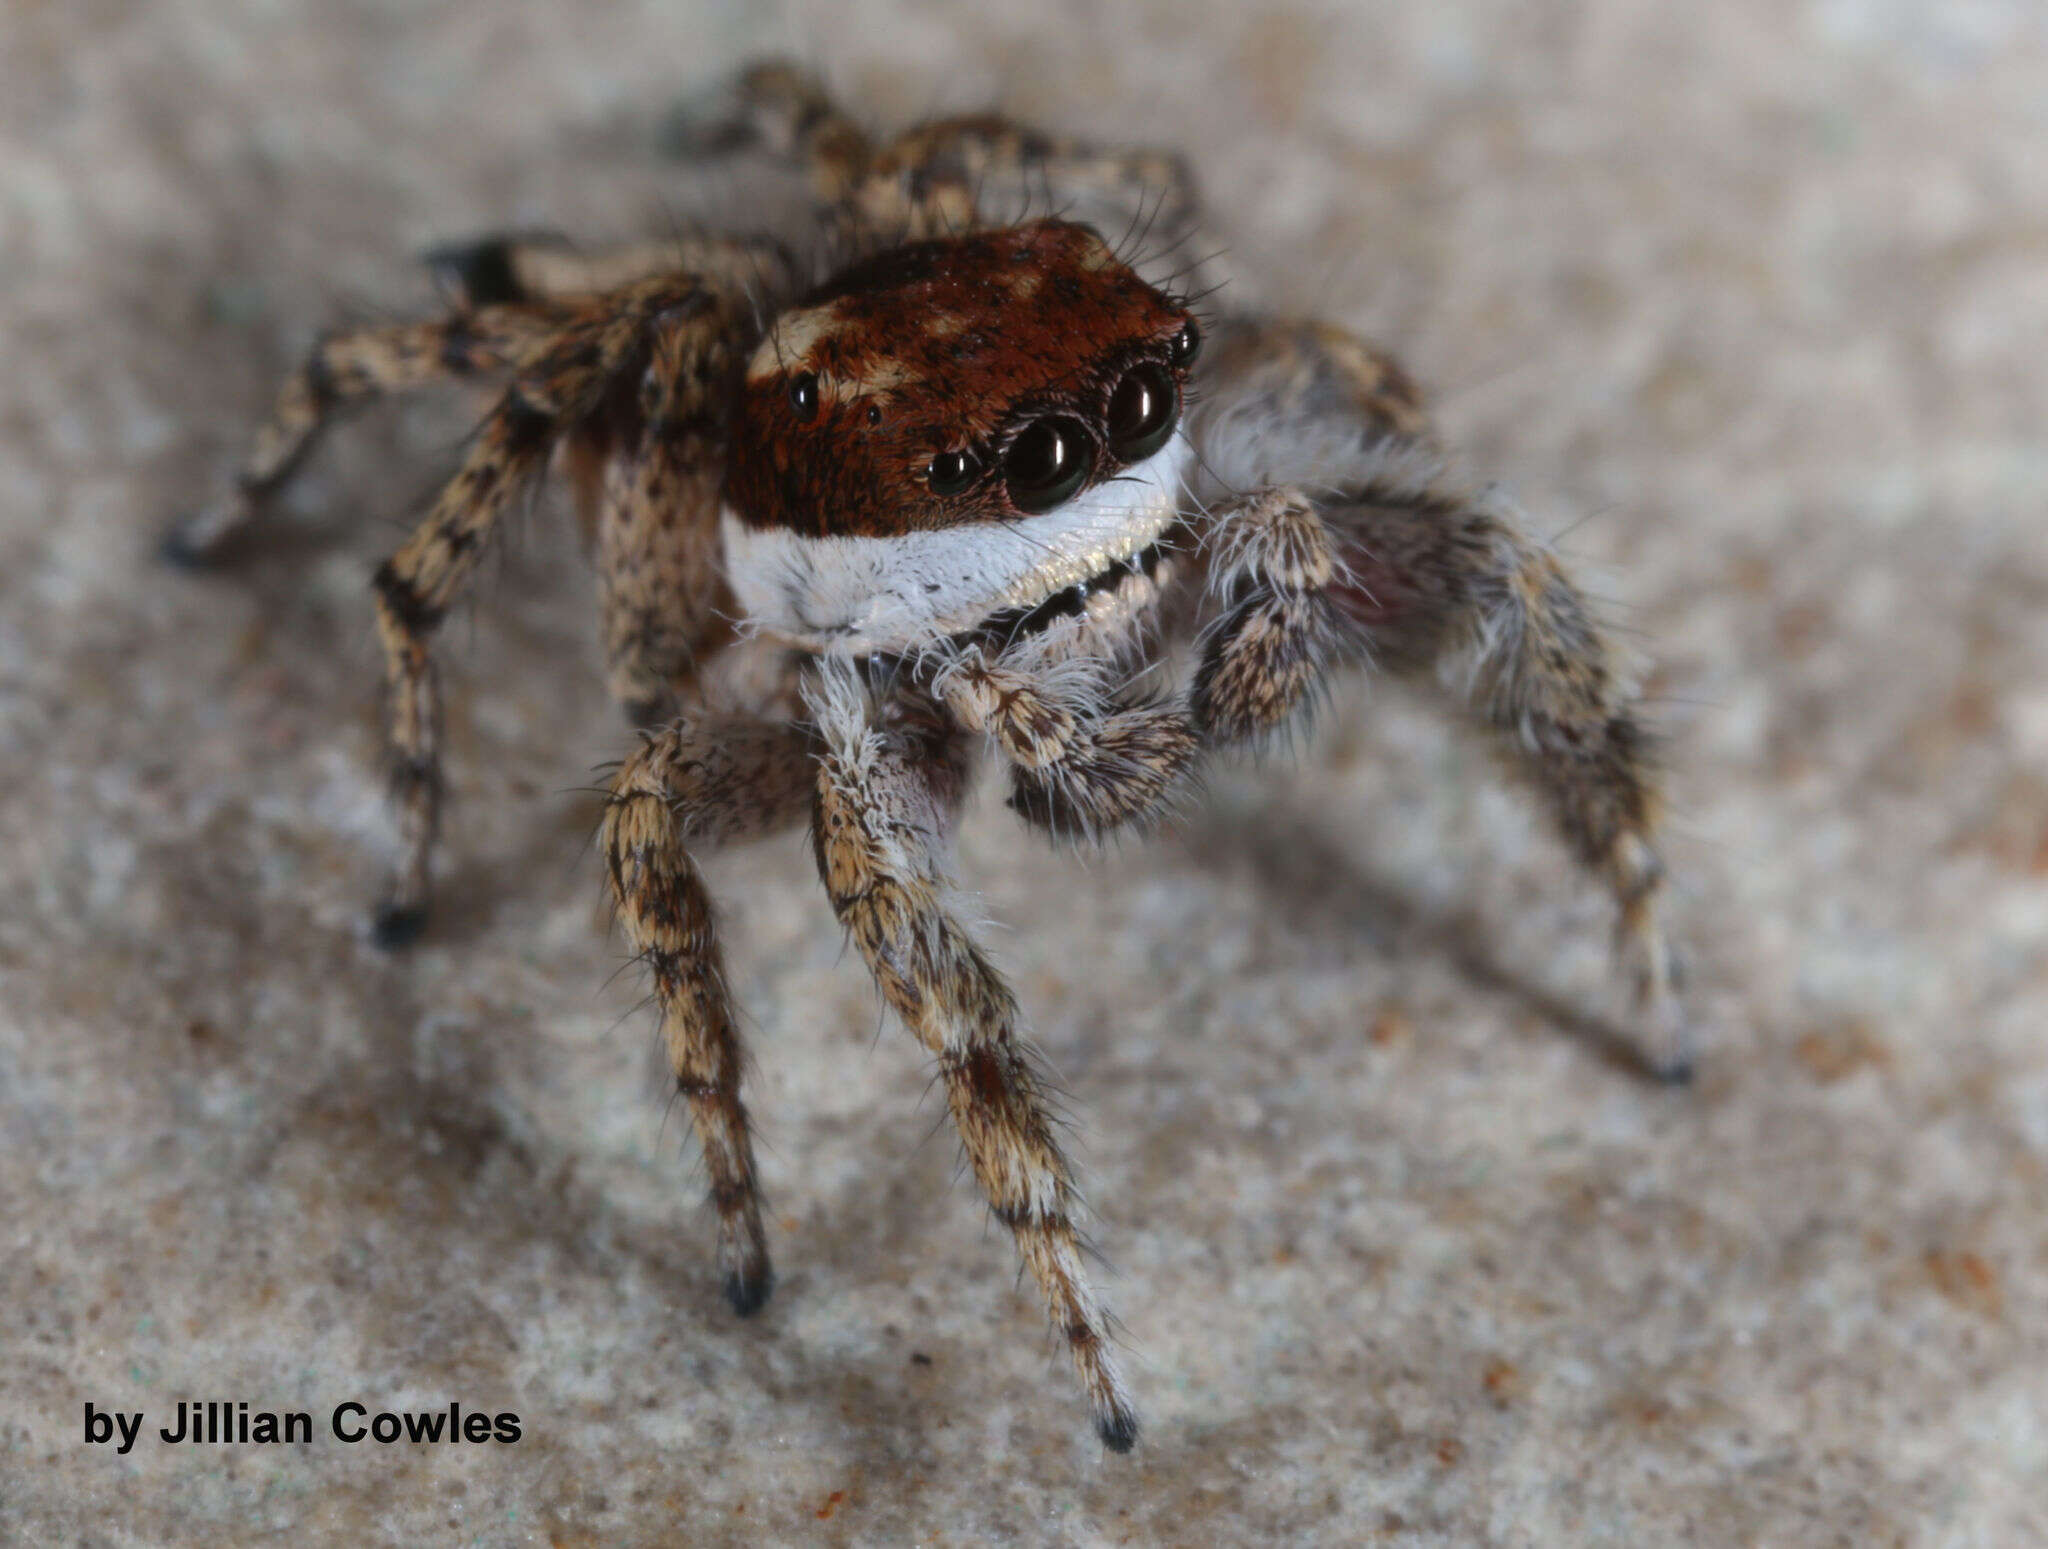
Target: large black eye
803	395
951	472
1142	413
1046	464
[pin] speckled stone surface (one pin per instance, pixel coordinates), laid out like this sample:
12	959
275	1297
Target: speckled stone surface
1748	299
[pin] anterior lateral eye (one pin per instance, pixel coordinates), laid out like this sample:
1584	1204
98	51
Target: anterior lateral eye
952	472
1142	412
1186	345
1046	463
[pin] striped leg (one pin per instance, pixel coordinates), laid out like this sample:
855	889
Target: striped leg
954	173
885	800
1397	563
346	368
498	269
663	603
416	586
711	781
1441	580
781	108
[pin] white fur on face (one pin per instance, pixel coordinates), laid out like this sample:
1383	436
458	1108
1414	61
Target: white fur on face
854	596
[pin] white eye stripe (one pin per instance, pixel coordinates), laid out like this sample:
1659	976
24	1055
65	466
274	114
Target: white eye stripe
855	596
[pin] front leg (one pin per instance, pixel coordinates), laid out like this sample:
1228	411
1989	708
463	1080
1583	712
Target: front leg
1082	766
710	781
1413	571
1270	566
886	798
1445	581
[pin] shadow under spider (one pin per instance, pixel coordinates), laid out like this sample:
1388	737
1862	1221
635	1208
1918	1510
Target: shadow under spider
1307	884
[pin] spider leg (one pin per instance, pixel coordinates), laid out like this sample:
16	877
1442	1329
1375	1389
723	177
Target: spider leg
540	266
714	780
347	368
886	796
663	601
1294	383
564	384
953	174
1080	766
1441	579
779	107
1284	399
1271	563
1416	571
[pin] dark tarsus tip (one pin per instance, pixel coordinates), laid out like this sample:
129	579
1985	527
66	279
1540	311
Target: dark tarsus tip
650	714
1678	1072
706	126
481	271
176	547
1119	1432
748	1293
397	925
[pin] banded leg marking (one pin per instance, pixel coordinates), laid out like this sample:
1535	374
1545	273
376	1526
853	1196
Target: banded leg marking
880	823
347	368
713	781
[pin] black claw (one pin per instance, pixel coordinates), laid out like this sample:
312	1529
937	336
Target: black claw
706	126
748	1293
177	548
651	714
480	272
1676	1072
398	925
1119	1432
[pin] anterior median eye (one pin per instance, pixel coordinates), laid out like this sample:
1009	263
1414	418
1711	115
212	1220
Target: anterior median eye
951	472
1046	464
1142	413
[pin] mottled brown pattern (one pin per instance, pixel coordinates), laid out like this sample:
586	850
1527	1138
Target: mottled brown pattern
940	346
1030	724
787	110
661	589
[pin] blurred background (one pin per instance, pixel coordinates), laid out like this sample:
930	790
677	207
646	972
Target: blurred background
1746	302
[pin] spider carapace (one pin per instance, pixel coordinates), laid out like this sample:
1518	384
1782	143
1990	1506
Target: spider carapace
972	489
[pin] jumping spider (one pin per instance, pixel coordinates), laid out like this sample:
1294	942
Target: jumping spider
981	488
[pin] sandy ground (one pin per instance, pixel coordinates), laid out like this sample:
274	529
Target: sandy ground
1748	300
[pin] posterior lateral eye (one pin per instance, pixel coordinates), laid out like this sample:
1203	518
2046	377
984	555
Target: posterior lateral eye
803	395
1046	463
